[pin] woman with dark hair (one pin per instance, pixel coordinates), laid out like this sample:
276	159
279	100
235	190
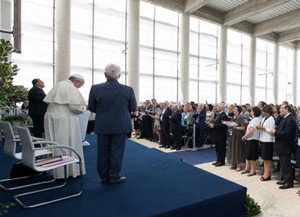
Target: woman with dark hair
252	138
236	146
267	141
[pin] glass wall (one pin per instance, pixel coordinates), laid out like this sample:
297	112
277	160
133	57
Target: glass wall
203	61
81	42
264	71
99	36
238	56
159	53
36	59
285	74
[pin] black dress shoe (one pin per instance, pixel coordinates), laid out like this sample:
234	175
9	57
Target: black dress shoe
219	164
118	181
286	185
215	163
162	146
173	148
280	182
167	147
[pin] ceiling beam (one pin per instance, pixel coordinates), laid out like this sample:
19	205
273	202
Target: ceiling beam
289	36
193	5
209	14
250	8
244	27
277	23
175	5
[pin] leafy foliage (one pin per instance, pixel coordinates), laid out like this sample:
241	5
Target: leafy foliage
4	207
9	93
252	207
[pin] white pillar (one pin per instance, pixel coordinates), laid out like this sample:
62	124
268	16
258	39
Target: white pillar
223	64
6	19
252	71
184	58
275	73
62	39
295	76
134	45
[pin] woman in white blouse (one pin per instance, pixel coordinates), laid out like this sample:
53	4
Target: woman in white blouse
267	141
252	138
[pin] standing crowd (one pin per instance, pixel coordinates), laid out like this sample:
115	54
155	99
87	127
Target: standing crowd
241	134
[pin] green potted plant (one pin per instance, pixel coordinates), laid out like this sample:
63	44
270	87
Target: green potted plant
10	94
4	208
252	207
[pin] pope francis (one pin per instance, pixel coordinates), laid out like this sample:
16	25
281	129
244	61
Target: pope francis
61	122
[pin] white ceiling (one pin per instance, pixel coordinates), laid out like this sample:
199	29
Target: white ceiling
277	20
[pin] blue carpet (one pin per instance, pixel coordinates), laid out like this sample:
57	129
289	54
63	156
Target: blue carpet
158	184
199	156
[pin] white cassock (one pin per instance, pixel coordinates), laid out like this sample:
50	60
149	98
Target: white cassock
61	122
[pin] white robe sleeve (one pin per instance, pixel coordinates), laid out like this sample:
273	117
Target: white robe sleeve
77	109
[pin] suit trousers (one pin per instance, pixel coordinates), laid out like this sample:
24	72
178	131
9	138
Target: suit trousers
165	135
286	166
38	125
221	151
110	152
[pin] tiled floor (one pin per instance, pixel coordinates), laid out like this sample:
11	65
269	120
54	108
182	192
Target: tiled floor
274	202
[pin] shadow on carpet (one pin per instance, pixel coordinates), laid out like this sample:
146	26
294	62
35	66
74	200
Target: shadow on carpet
200	156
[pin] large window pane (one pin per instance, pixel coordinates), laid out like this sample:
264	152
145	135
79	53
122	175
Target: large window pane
165	63
203	60
165	36
165	89
264	71
36	59
146	81
285	74
238	54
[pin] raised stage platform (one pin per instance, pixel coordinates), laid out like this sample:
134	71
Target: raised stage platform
158	184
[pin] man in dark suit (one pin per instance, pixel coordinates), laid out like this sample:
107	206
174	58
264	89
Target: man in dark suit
165	126
219	134
37	107
176	128
112	102
285	134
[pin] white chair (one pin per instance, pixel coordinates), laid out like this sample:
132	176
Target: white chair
10	149
29	159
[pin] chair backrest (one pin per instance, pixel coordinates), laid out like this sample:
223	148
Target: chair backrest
9	139
28	153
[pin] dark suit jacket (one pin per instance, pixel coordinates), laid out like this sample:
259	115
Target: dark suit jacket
37	107
285	135
166	117
176	122
219	132
112	102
